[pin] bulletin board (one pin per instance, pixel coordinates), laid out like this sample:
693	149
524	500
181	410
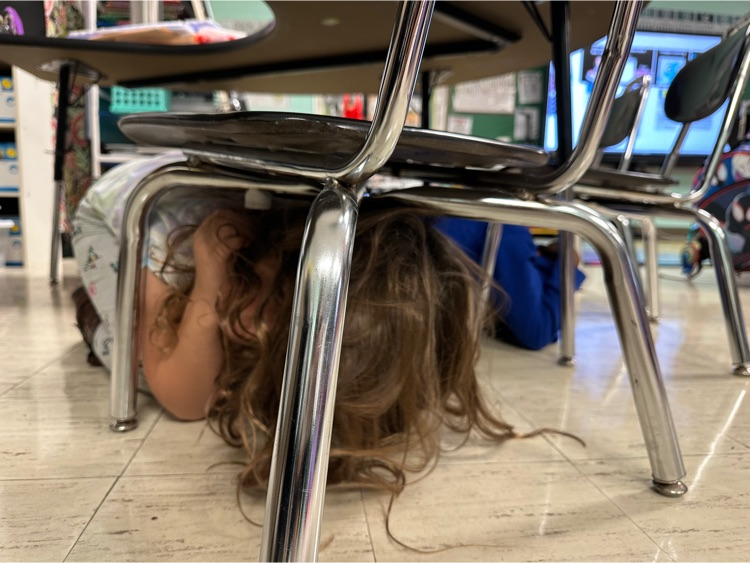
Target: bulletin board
510	108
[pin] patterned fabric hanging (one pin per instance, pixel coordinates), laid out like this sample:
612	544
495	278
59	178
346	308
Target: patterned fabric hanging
61	17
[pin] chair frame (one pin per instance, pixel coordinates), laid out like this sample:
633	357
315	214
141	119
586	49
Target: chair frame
299	467
643	84
296	488
682	206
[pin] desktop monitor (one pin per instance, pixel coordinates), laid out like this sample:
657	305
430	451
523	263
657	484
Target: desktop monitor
661	55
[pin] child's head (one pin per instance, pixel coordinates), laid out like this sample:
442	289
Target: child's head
409	350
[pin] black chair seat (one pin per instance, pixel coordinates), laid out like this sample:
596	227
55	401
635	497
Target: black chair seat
295	138
615	179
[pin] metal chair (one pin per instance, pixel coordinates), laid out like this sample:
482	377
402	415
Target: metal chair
295	500
298	473
623	123
701	87
527	197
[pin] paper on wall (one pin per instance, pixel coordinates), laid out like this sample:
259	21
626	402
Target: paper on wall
491	95
530	87
460	124
526	124
439	109
268	102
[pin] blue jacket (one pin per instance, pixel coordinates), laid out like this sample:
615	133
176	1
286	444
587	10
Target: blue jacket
530	309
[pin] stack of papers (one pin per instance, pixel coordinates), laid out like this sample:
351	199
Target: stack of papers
185	32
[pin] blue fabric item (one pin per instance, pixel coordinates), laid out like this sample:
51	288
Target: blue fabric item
530	308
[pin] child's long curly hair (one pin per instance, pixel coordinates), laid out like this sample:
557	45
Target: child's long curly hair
410	345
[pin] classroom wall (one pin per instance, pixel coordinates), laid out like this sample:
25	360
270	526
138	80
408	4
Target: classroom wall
508	108
250	10
736	8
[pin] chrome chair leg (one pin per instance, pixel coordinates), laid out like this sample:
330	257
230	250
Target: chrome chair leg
566	248
650	238
730	301
625	298
296	487
567	243
722	261
623	224
489	258
625	227
124	384
56	244
648	231
157	180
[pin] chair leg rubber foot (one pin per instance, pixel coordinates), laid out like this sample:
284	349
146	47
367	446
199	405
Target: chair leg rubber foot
566	361
123	425
672	490
741	370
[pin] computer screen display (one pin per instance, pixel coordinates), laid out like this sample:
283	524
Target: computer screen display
661	55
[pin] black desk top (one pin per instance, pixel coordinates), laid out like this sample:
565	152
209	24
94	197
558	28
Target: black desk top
299	53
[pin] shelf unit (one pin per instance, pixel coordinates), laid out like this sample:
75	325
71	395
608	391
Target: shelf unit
9	180
33	135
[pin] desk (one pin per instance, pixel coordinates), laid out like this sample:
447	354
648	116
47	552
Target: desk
299	53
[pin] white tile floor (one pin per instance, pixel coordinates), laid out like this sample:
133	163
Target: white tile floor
70	490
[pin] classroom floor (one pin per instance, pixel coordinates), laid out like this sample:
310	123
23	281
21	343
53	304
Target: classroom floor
71	490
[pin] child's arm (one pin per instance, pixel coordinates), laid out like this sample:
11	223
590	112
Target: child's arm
532	284
530	308
182	377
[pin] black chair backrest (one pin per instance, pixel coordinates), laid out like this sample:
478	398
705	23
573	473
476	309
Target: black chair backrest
623	114
704	83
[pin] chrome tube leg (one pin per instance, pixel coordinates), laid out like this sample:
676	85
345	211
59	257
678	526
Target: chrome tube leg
124	384
61	135
625	297
55	248
730	301
651	261
489	258
159	176
624	226
299	466
567	242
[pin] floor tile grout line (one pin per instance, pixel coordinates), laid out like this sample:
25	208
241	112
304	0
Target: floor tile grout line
39	370
740	442
624	512
367	523
84	477
114	484
619	508
574	464
38	479
96	510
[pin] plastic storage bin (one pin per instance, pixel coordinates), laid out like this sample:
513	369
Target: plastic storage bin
139	100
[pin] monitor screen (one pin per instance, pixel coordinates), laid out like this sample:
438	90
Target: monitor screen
661	55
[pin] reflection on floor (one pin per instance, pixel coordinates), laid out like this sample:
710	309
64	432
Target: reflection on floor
70	490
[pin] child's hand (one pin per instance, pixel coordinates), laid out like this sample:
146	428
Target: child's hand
214	241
